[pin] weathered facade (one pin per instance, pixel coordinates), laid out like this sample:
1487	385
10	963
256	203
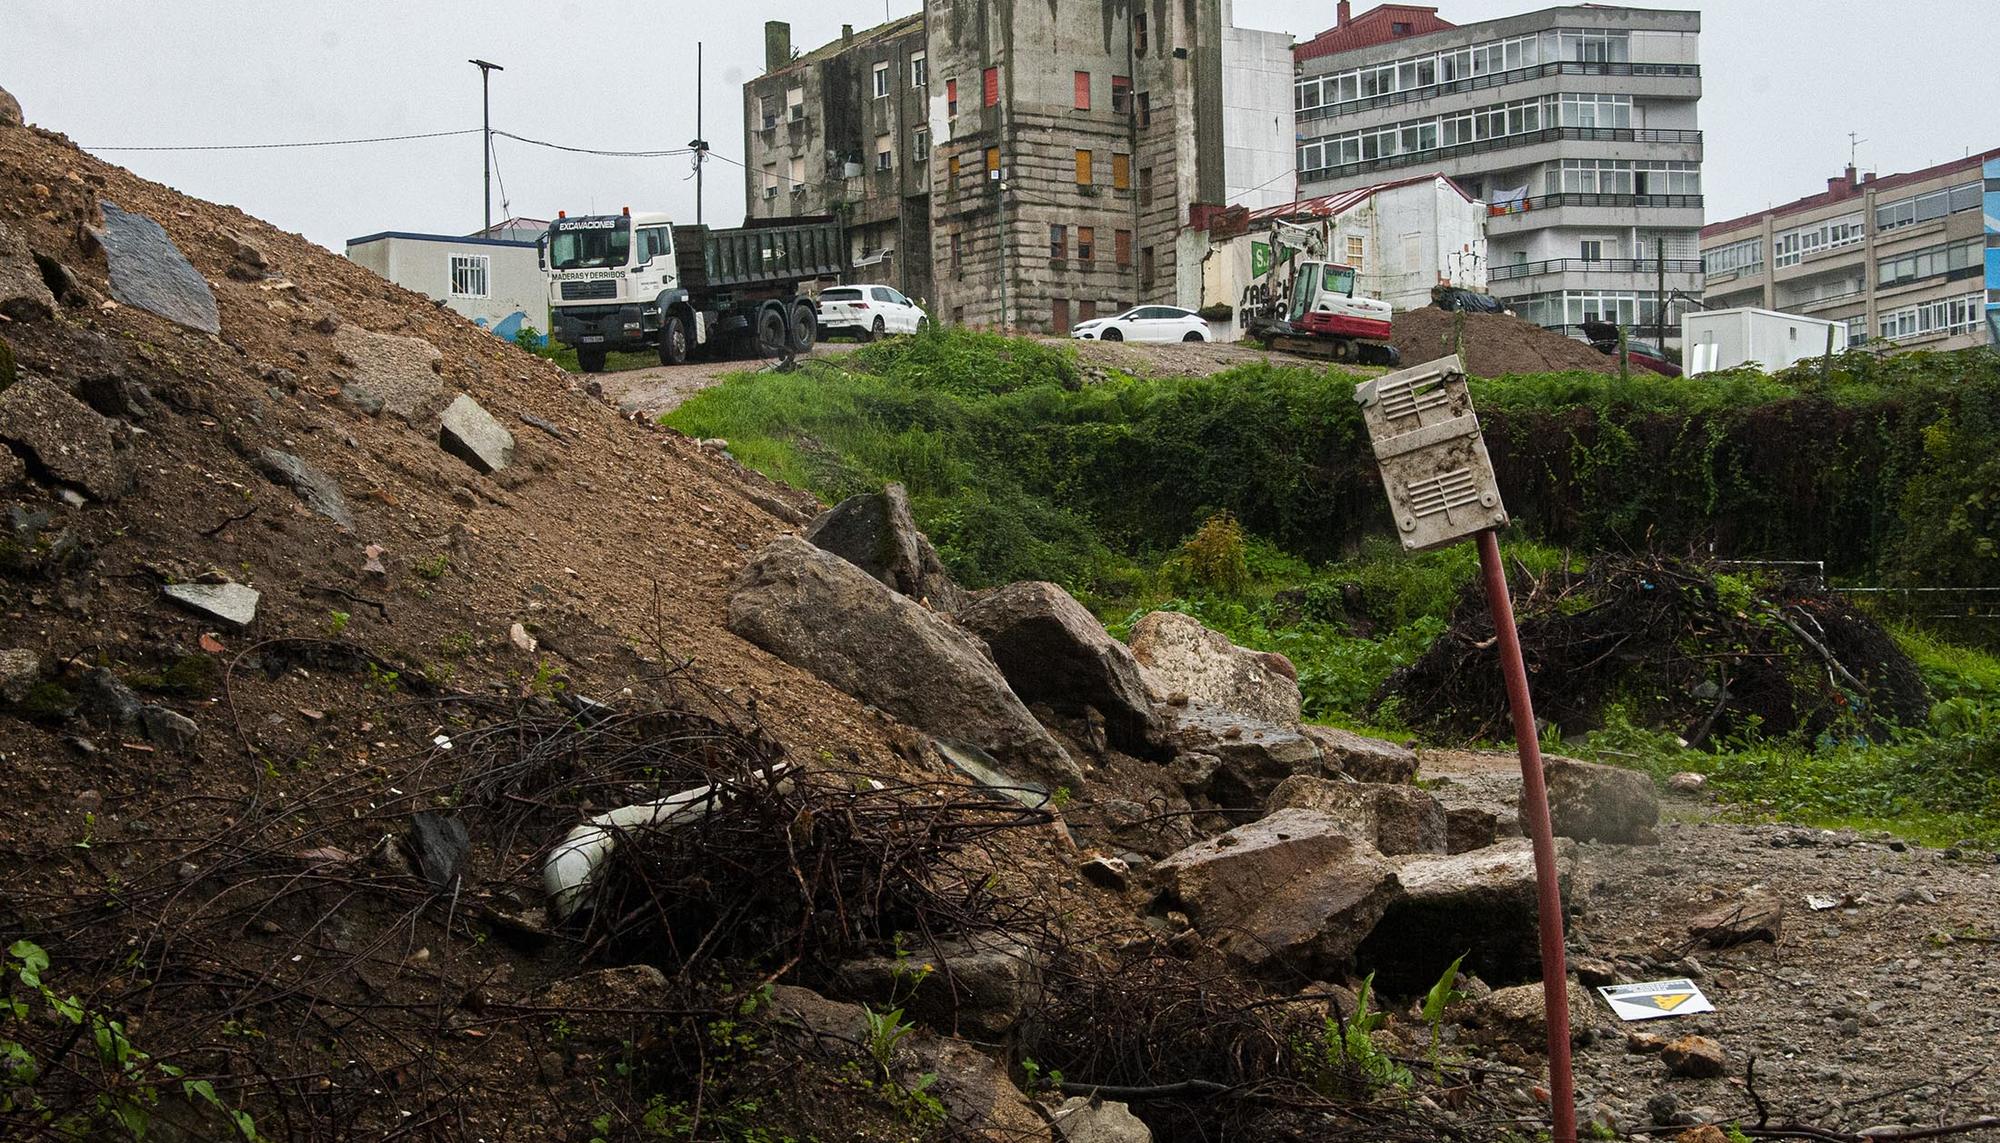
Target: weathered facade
1040	164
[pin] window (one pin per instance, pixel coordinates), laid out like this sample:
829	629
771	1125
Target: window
1399	28
1122	246
1357	252
1121	94
1139	33
920	70
1083	91
1146	268
1935	319
990	82
920	144
469	275
1593	250
1086	241
795	103
1145	186
1596	110
798	179
1930	262
1083	168
1924	207
1086	310
1145	110
881	81
770	180
951	97
992	161
885	155
1058	241
1789	247
767	110
951	175
1121	171
1734	258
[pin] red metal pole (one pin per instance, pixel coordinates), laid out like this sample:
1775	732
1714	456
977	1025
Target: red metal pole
1535	809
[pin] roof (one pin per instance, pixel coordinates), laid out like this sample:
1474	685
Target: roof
518	222
450	239
1335	205
913	22
1830	197
1375	26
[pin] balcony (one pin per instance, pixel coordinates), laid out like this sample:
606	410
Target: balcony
1439	155
1500	79
1541	212
1654	266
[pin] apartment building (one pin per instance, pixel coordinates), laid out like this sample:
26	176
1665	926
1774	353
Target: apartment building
1050	157
1992	213
1899	258
1577	126
844	131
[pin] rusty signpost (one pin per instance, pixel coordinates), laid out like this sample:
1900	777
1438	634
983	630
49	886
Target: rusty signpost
1442	489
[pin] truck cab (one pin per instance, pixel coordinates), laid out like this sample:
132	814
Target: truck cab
614	285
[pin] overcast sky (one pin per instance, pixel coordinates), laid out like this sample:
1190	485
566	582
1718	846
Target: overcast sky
1785	81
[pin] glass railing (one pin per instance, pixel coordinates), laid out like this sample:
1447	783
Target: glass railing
1498	79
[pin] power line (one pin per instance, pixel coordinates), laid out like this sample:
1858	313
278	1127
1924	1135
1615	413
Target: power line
593	151
285	146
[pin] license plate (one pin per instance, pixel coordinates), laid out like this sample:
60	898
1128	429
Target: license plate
590	340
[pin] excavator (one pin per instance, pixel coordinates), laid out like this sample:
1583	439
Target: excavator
1317	314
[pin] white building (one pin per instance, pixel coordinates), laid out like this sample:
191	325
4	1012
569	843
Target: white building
489	280
1259	133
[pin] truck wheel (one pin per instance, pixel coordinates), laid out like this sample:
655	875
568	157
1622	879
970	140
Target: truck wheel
590	360
674	341
805	327
772	337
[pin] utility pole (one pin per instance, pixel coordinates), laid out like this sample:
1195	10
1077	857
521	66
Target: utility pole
1660	298
486	71
700	146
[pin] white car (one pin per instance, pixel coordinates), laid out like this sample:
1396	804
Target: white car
1145	323
868	312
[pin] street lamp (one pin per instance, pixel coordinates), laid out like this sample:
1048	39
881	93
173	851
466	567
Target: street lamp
486	71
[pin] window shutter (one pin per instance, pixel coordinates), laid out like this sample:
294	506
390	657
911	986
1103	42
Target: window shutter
1121	171
1083	168
1083	91
992	80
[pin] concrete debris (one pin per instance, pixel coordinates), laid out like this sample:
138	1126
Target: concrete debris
24	295
232	603
1182	656
1052	650
71	442
1755	914
150	272
320	492
1362	758
397	374
1590	802
876	533
470	433
1395	819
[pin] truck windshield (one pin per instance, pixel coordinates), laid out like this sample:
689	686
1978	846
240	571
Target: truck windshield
583	244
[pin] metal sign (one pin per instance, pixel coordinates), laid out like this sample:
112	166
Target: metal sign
1655	999
1433	458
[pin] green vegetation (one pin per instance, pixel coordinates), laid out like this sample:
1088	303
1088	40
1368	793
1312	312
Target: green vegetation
565	356
1250	499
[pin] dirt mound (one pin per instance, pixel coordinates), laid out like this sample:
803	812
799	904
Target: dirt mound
1494	345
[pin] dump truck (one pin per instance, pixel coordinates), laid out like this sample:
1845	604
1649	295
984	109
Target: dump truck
632	282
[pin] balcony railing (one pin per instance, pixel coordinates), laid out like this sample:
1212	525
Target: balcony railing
1553	201
1499	79
1503	143
1505	271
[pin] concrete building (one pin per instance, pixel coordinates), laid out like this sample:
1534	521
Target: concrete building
844	131
1576	124
1992	213
490	280
1900	257
1025	165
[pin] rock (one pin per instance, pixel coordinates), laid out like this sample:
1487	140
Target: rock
169	730
1467	828
1696	1057
1113	873
1520	1014
8	370
980	986
1083	1119
1664	1108
251	261
1645	1044
320	492
399	372
1590	802
1481	904
24	296
522	641
68	439
1706	1133
1687	782
1756	914
1183	657
12	470
62	281
10	110
876	533
231	603
107	700
1593	971
109	394
1395	819
470	433
1362	758
632	986
1234	759
20	670
823	614
150	272
1053	650
984	769
1292	892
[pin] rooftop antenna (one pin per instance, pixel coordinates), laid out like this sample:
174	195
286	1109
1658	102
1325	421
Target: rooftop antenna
1854	142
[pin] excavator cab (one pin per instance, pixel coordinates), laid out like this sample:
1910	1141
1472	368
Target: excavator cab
1312	282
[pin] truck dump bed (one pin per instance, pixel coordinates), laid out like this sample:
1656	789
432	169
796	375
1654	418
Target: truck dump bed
759	256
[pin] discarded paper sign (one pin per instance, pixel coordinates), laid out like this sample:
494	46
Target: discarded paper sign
1655	998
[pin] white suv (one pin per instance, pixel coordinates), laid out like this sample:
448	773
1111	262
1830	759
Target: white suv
868	312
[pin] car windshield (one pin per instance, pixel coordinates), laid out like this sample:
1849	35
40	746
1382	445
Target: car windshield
592	243
841	296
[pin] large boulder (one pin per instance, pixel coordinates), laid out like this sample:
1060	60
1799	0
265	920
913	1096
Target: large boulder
1053	650
1184	658
1235	760
1394	818
1292	893
10	110
1362	758
819	612
1590	802
71	441
876	533
470	433
24	296
395	374
150	272
1481	904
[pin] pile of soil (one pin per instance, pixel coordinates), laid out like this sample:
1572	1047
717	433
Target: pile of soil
1494	345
